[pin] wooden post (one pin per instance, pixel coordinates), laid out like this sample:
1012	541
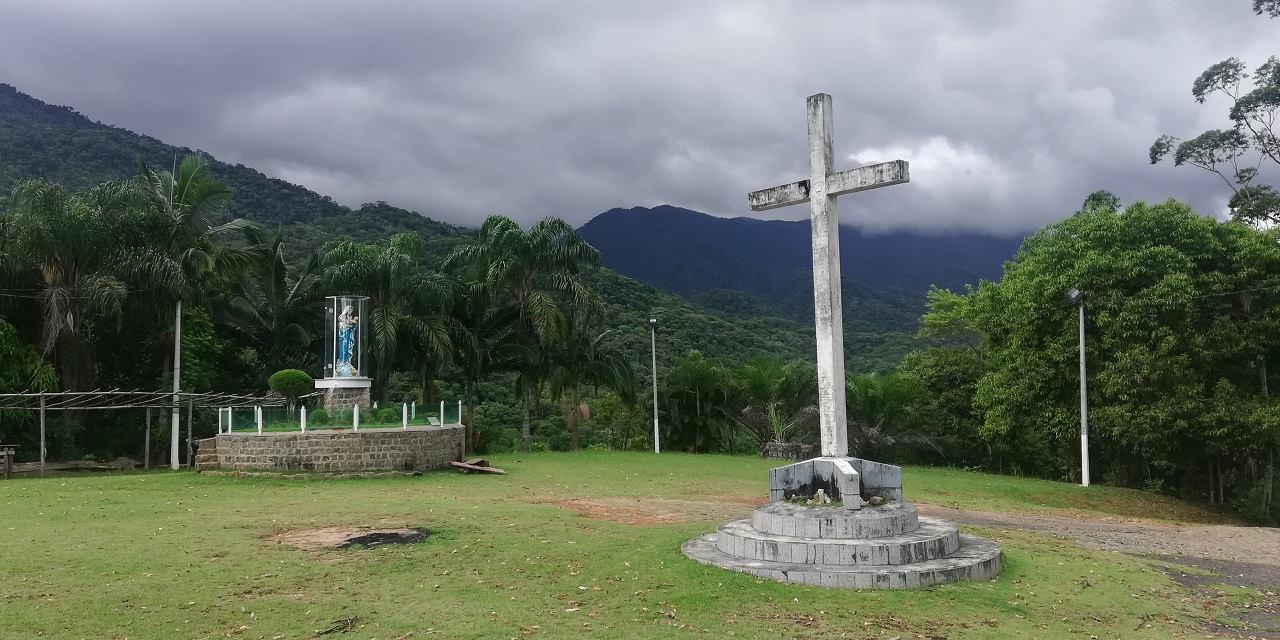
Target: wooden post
146	443
191	459
42	438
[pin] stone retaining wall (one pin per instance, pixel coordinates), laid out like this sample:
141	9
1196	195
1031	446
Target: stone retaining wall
369	449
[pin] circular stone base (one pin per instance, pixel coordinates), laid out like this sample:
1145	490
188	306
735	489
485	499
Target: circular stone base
934	539
977	559
836	523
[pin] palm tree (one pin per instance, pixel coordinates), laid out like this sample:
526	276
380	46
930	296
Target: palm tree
408	305
270	305
581	359
527	268
484	342
705	384
172	254
72	241
777	399
881	414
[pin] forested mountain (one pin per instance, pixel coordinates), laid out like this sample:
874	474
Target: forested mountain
687	253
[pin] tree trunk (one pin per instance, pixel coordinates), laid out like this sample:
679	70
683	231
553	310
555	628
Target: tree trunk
1267	479
525	436
469	423
1269	475
574	416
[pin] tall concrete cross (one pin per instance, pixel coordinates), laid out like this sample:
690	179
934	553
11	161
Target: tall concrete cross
820	190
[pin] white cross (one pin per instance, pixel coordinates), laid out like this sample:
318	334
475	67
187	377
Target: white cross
820	190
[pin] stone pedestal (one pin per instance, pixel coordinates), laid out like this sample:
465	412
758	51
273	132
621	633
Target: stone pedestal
851	546
346	397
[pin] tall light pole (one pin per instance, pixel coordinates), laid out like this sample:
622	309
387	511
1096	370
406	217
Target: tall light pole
653	344
1077	296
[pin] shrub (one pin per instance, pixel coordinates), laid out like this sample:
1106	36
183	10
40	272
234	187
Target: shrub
291	383
318	416
388	415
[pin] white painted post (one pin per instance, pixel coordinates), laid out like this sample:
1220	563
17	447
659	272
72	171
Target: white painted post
441	414
355	417
404	416
653	345
1084	409
303	413
413	410
257	414
174	426
820	190
459	412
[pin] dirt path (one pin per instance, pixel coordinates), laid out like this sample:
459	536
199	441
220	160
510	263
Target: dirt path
1247	557
1255	545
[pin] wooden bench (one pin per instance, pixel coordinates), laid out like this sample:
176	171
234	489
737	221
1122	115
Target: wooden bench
7	451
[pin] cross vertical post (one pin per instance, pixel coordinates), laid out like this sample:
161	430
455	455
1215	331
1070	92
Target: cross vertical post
820	190
829	322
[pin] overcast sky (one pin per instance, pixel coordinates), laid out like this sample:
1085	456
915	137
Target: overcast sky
1010	112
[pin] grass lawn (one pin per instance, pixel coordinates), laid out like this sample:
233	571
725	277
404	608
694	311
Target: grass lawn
179	555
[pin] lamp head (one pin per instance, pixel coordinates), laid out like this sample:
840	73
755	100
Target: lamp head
1075	295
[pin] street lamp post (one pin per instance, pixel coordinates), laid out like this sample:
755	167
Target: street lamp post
653	343
1077	296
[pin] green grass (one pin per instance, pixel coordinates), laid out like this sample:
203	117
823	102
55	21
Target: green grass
167	554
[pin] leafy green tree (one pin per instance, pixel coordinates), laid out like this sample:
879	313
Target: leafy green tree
292	384
1236	154
71	239
527	268
1168	335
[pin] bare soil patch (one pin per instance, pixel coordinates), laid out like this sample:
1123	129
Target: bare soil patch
345	537
1256	545
655	511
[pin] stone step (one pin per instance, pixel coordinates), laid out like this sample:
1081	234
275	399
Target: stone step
786	519
932	540
976	559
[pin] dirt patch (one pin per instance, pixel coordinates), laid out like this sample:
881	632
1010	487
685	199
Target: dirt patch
1256	545
654	511
343	537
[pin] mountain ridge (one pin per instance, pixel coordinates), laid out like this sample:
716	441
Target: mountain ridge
757	256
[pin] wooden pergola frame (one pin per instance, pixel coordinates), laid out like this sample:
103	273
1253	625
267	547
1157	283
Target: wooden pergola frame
103	400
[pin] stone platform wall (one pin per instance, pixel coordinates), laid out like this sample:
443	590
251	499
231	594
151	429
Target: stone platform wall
369	449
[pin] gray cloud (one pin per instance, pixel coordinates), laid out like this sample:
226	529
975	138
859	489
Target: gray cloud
1011	112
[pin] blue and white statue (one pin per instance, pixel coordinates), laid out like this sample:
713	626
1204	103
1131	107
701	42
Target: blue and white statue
348	328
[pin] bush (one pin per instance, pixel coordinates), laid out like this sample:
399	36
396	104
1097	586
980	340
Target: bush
291	383
388	415
318	416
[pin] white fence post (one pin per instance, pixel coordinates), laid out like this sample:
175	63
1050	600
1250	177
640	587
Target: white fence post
442	412
459	412
303	413
355	417
404	416
258	413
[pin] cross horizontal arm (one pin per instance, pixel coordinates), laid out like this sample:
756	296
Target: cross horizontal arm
872	176
778	197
